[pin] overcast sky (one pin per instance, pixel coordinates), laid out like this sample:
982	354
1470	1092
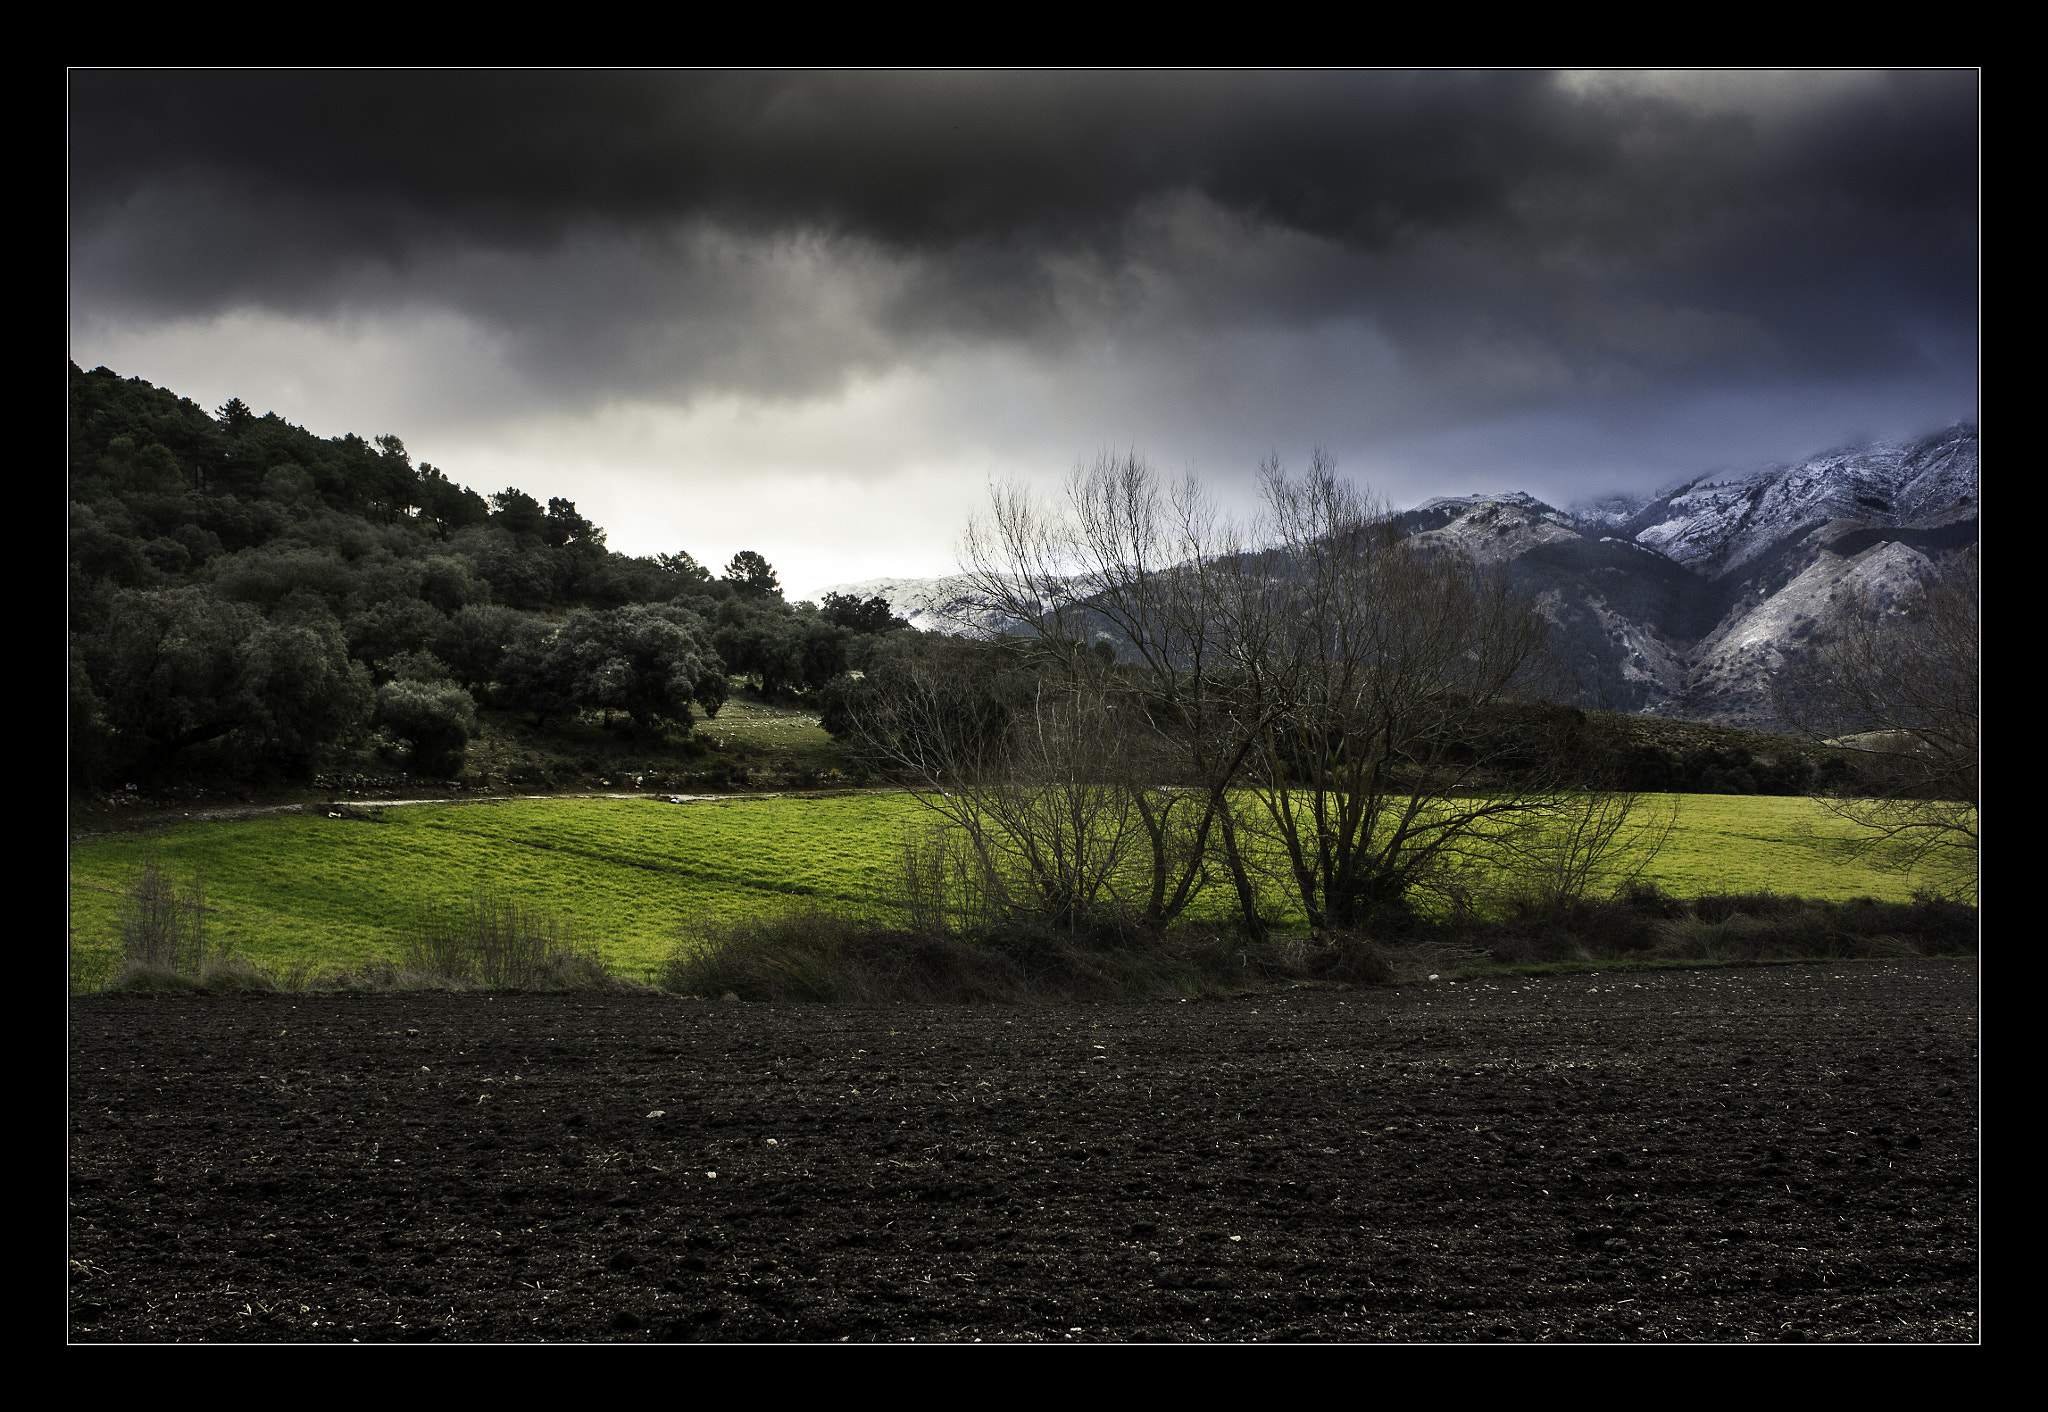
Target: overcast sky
816	314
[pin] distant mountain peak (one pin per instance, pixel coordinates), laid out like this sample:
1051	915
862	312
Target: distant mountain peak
1683	603
948	604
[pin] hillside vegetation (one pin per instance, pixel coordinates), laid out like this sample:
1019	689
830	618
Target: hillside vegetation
251	605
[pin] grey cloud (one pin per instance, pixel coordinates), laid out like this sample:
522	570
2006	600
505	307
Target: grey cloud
921	160
391	163
1497	242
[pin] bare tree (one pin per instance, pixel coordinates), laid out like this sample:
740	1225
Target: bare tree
1390	757
1119	584
1896	684
1593	845
1029	770
1336	703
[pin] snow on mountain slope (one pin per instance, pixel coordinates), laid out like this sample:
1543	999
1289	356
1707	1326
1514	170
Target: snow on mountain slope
1729	680
1683	604
1717	526
1495	528
1942	486
947	605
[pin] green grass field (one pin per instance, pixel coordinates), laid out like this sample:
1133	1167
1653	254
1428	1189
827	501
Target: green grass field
1761	843
631	873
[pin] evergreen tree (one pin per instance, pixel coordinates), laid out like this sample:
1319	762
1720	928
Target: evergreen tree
752	574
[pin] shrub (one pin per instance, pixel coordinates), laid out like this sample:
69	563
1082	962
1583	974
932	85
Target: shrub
498	942
163	926
1352	959
815	956
1644	923
1739	936
1732	927
1720	906
164	944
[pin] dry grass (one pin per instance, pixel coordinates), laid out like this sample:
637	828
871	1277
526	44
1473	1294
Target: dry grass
501	943
1649	926
821	957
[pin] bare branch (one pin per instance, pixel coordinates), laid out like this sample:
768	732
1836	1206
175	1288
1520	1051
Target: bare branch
1895	686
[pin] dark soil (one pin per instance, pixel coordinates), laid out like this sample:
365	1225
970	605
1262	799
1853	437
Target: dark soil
1780	1153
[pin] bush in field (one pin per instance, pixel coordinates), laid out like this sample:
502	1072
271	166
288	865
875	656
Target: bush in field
923	948
163	925
1351	959
1573	929
819	957
1760	932
498	942
164	945
1646	925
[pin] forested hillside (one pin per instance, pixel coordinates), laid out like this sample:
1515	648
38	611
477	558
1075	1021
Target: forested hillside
252	601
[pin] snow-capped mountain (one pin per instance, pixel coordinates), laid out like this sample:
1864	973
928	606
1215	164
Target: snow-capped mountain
1491	528
1715	527
946	605
1683	604
1775	549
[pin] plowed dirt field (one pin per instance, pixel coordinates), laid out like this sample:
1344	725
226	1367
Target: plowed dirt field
1779	1153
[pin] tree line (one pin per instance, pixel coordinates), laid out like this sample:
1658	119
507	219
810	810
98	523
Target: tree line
246	596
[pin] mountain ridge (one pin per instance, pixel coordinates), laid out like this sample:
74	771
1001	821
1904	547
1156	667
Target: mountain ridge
1687	603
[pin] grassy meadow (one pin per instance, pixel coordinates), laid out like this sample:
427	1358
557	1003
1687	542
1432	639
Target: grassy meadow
628	874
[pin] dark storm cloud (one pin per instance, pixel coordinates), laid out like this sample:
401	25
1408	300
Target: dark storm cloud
921	161
1513	235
